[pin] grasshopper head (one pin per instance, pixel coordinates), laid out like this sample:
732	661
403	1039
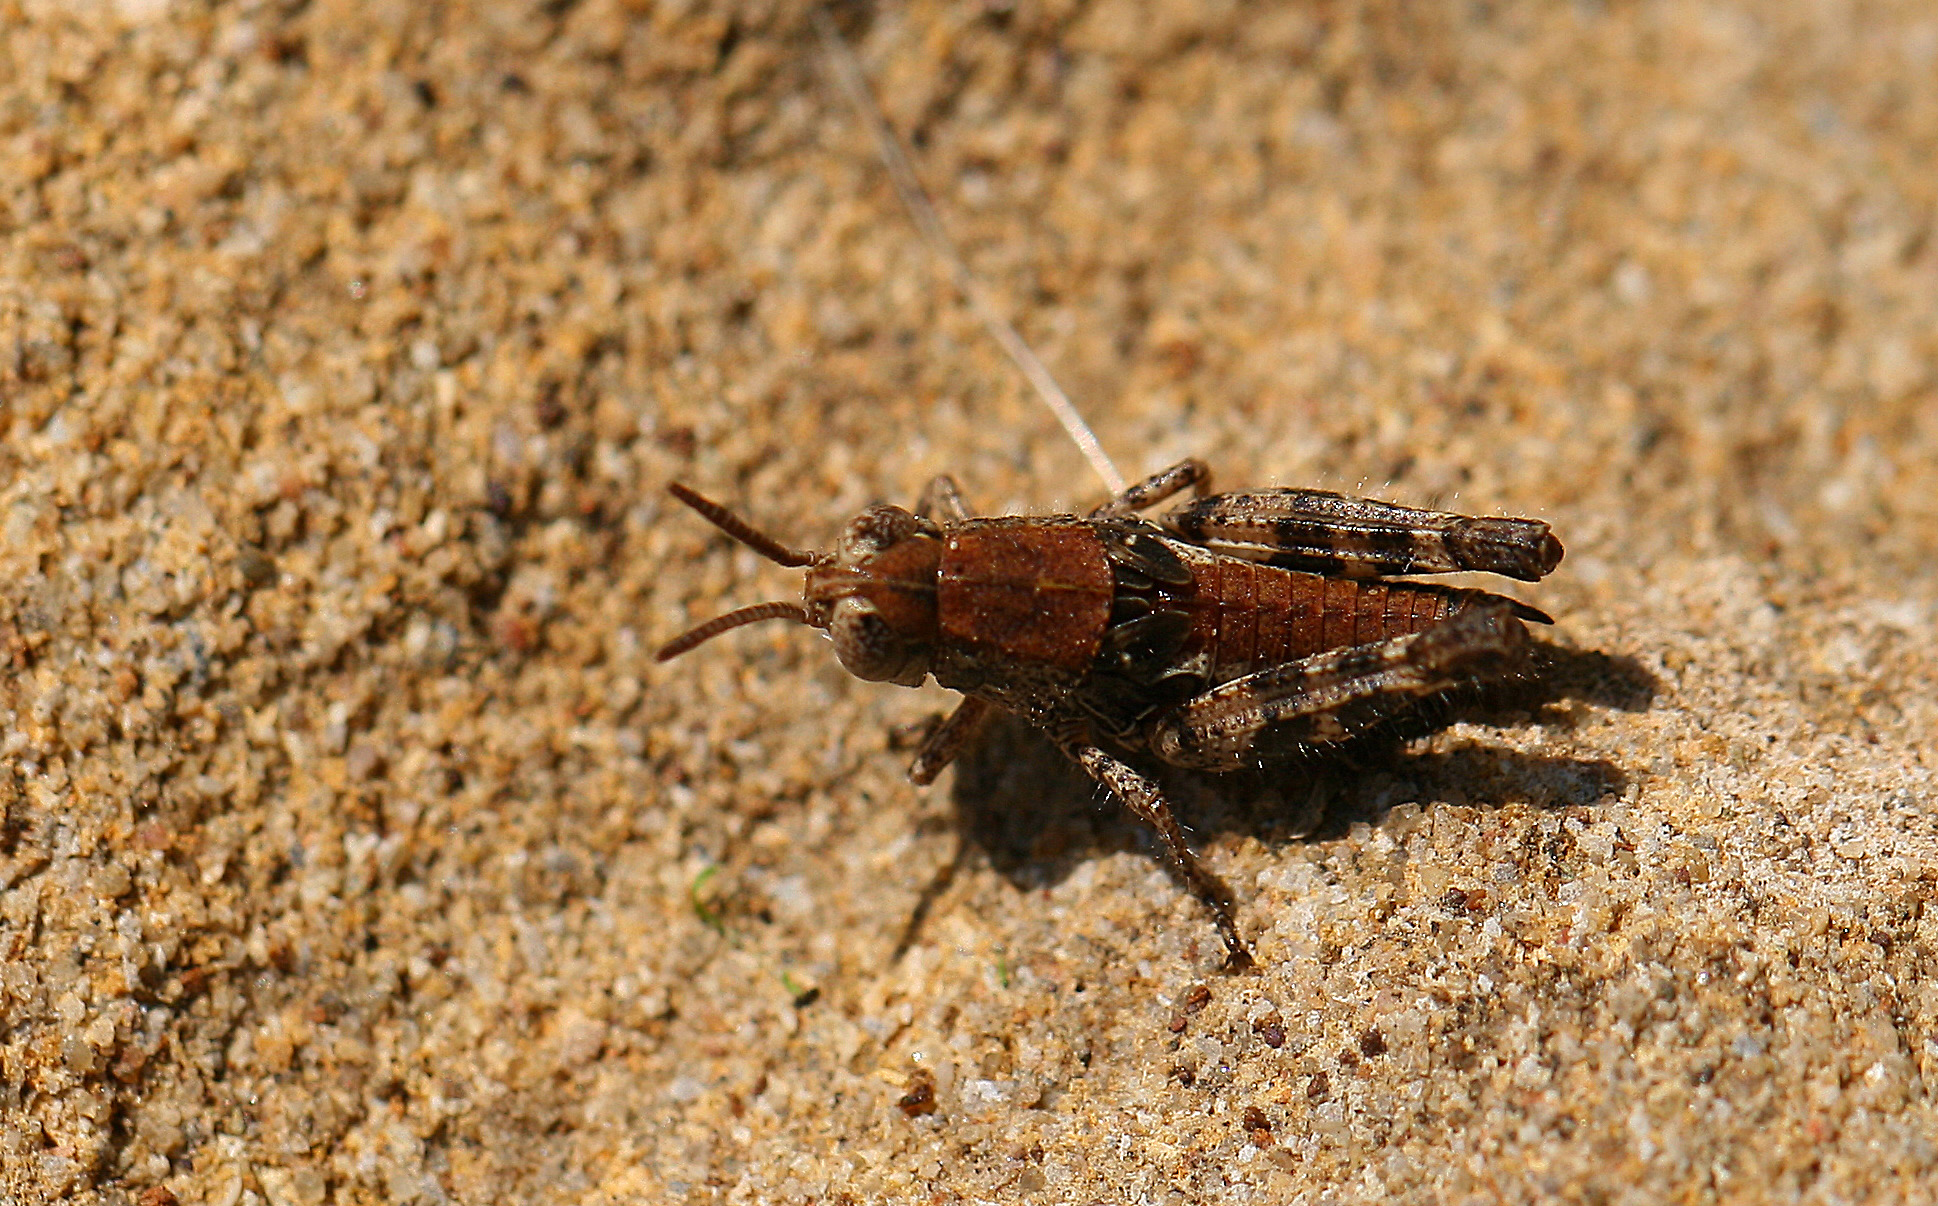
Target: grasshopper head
874	594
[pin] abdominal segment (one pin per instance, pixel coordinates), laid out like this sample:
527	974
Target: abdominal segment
1248	616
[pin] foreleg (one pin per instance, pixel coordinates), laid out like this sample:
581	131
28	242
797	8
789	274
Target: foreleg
947	740
942	500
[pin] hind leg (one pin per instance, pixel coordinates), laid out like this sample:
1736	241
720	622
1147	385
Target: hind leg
1328	698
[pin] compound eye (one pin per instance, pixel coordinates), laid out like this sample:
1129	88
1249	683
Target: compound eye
871	649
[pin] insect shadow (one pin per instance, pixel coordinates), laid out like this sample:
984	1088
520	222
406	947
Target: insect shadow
1022	805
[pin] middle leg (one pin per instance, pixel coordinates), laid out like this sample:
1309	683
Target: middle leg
1142	797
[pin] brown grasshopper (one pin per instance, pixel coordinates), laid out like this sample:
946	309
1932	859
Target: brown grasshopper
1237	631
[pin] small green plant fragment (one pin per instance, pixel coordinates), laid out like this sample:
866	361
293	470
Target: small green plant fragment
803	995
701	908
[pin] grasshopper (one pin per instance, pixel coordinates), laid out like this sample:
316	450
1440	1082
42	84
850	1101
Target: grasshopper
1232	633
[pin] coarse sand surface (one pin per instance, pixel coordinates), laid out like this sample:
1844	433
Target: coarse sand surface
353	848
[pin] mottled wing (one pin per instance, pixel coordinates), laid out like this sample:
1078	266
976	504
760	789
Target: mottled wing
1330	533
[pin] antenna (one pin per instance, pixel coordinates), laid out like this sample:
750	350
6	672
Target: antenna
733	619
738	528
848	73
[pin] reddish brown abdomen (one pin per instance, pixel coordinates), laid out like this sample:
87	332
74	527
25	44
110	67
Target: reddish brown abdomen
1029	593
1249	616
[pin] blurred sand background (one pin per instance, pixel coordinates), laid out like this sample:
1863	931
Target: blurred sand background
352	849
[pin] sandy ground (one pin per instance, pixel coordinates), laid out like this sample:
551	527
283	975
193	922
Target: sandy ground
352	848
